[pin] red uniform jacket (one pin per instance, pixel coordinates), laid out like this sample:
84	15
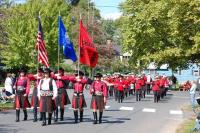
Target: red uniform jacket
120	85
138	84
23	81
99	86
143	80
126	84
166	83
35	78
78	84
60	83
132	80
162	82
156	85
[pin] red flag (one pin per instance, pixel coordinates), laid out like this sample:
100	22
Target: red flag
42	53
88	53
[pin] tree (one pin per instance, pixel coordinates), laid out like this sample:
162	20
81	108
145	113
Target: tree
21	28
4	4
161	31
22	31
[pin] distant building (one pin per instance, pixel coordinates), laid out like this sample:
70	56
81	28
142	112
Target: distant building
191	73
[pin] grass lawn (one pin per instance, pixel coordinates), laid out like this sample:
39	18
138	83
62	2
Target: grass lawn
187	127
6	106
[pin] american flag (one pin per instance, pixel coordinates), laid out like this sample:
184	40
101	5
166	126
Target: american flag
40	45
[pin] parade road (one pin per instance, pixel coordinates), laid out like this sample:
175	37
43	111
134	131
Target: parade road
127	117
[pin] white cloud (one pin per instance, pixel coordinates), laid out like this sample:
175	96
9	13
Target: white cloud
113	16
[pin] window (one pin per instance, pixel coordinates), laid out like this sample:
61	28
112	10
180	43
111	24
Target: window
195	72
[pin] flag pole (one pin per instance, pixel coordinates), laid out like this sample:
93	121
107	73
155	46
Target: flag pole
79	44
58	47
38	46
92	70
88	13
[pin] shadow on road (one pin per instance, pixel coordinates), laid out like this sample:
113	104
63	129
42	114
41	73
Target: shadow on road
112	122
118	120
112	110
129	102
7	129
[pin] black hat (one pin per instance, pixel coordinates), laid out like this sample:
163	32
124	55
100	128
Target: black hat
61	69
98	75
40	70
47	70
22	70
121	76
79	73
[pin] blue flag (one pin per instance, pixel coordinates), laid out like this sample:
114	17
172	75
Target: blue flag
64	41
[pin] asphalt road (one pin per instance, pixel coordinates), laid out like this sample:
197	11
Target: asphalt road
127	117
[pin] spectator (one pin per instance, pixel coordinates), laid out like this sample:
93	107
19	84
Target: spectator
198	83
192	94
8	90
174	80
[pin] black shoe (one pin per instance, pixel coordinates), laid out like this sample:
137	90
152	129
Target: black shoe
49	118
44	124
56	115
76	116
61	114
35	114
40	116
43	115
17	115
95	117
61	118
25	115
100	117
81	116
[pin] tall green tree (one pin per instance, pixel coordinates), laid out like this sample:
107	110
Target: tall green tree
22	31
161	31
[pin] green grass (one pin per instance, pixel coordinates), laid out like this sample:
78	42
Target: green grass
187	127
6	106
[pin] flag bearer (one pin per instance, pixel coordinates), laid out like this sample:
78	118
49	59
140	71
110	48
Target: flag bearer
78	100
34	100
62	99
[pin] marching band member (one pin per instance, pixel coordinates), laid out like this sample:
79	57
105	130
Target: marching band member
34	100
119	85
149	81
143	84
98	90
47	92
138	88
156	89
166	85
22	88
126	86
78	100
62	99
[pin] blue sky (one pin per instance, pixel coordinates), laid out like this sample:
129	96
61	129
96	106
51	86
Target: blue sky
108	12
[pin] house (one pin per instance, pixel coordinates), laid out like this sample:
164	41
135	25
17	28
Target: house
191	73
